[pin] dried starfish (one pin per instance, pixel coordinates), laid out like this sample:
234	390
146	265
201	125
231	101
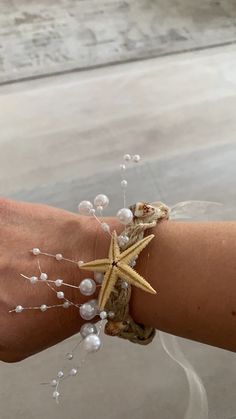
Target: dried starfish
116	266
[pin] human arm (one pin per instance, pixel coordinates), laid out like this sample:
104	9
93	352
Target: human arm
191	265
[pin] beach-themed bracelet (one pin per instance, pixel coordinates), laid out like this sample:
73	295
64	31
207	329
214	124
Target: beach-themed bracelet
114	276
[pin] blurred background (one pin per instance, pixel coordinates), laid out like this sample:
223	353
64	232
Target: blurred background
82	83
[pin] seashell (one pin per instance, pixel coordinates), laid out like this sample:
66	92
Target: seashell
142	210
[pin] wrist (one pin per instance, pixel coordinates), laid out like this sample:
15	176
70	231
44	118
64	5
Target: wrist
87	242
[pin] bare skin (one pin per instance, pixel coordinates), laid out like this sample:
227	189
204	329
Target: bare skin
193	268
191	265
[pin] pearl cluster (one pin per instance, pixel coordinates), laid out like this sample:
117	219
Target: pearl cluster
88	311
86	287
90	339
91	343
135	158
101	202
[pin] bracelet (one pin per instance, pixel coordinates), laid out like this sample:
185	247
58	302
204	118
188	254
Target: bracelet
145	216
115	275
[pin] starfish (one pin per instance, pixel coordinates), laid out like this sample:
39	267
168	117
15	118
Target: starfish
116	266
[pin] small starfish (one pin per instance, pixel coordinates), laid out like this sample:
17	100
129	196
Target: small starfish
116	266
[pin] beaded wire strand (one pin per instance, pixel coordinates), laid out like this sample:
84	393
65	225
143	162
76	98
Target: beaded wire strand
89	332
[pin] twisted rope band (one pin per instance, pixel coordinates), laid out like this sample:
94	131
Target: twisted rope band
145	216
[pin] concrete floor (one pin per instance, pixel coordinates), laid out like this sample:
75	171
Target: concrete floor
38	38
61	140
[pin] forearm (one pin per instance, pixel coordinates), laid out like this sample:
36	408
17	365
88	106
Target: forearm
193	268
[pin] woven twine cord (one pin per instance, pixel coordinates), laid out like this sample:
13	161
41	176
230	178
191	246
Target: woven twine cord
122	324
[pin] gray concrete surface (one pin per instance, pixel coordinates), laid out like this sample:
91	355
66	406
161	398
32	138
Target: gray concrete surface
43	37
156	107
61	141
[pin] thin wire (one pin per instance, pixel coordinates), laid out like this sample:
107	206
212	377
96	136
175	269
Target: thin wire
76	346
36	307
122	169
64	283
100	222
54	256
53	282
64	298
39	266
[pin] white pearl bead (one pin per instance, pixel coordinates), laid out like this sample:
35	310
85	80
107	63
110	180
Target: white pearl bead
105	227
33	279
87	286
84	207
124	285
43	307
56	394
92	343
53	383
60	295
98	276
59	256
123	240
66	304
127	157
136	158
124	183
126	238
87	329
122	166
73	372
133	261
19	309
92	211
101	200
88	311
80	263
36	251
43	276
125	216
60	374
103	315
58	282
100	208
69	356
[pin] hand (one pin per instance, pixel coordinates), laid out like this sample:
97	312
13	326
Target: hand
24	226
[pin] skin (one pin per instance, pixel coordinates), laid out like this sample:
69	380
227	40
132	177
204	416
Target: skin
193	268
191	265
